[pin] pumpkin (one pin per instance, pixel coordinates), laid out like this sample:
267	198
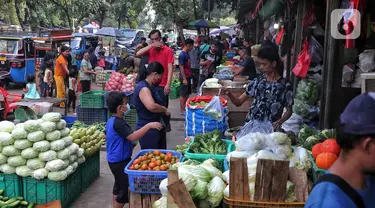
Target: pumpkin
325	160
330	145
316	150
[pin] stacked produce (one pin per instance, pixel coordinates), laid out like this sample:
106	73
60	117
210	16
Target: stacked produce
6	202
155	161
90	139
39	148
119	82
326	153
309	136
204	182
182	148
209	143
201	103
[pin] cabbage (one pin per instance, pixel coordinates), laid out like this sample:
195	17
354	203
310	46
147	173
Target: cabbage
163	187
32	125
48	156
265	154
236	154
189	180
73	148
11	151
72	158
22	144
19	126
215	191
198	172
40	173
58	145
80	160
279	138
300	159
54	135
35	164
200	190
63	154
7	169
310	142
290	194
23	171
66	164
36	136
16	161
251	142
6	126
203	204
3	159
29	153
53	117
58	175
55	165
61	124
74	165
214	171
80	152
68	140
226	176
163	203
226	191
282	151
48	126
69	170
42	146
65	132
19	133
6	139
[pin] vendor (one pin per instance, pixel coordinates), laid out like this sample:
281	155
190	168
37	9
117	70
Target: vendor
270	93
248	66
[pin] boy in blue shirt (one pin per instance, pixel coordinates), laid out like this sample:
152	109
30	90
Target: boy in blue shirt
350	181
119	144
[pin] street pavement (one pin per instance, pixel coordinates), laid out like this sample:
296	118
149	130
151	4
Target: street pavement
99	194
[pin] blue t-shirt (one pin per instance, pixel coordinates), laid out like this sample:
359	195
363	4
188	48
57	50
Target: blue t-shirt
118	147
184	59
327	194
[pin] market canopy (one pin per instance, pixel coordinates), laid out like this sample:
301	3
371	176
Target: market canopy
109	31
219	30
89	26
202	23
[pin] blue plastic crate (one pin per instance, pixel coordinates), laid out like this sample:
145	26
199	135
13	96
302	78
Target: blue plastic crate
69	120
147	182
91	115
226	165
129	95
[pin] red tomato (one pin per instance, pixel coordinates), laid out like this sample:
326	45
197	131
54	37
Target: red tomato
168	154
131	167
152	165
156	152
168	158
163	168
136	167
137	161
144	158
162	156
158	162
144	167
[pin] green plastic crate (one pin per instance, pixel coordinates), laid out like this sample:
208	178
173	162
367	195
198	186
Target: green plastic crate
316	172
131	118
11	184
92	99
202	157
43	191
90	171
175	92
20	114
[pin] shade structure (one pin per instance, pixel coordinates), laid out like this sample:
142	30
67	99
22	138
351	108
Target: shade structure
219	30
109	31
89	26
202	23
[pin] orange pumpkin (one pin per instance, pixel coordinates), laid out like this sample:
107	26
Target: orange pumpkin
316	150
325	160
330	145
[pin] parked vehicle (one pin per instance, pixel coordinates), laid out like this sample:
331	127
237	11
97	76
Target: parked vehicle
81	43
131	37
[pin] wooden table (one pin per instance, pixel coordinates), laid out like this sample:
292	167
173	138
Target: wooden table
142	200
54	101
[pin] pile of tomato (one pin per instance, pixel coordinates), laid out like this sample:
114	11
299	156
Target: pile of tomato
154	161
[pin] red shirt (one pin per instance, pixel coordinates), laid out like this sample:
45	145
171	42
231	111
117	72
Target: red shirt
164	56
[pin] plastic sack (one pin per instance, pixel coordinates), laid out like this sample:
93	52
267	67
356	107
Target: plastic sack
367	60
316	51
215	109
307	112
304	61
293	124
254	126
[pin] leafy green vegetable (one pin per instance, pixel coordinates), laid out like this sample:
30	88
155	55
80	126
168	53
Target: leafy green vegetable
306	132
215	191
310	142
200	190
209	143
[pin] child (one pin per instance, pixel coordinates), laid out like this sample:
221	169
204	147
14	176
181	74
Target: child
48	80
119	144
30	90
72	94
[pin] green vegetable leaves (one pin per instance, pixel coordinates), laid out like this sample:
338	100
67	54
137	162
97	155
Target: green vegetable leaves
209	143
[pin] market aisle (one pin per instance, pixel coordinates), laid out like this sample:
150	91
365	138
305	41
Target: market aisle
99	195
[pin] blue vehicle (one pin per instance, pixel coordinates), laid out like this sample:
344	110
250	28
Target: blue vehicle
17	58
82	42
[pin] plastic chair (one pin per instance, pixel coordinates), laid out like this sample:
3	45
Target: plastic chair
9	101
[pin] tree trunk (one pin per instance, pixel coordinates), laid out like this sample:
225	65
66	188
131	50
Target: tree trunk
195	9
102	17
20	19
180	31
119	22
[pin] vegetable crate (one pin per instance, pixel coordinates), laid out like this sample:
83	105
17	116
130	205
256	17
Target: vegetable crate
21	115
147	182
130	118
316	172
43	191
92	99
11	184
242	204
69	120
90	171
129	95
91	115
175	92
203	157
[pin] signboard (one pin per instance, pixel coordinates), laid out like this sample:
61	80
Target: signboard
44	46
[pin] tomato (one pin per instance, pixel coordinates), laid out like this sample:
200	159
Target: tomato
153	159
158	162
156	152
136	166
157	168
168	158
152	165
144	158
163	168
131	167
148	168
168	154
162	156
137	161
157	157
144	167
149	156
163	162
168	165
172	162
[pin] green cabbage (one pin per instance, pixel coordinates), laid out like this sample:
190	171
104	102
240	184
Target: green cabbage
3	159
19	126
48	156
29	153
23	171
310	142
198	172
11	151
22	144
200	190
215	191
74	165
73	148
40	173
7	169
72	158
290	194
202	203
189	180
69	170
58	175
65	132
36	136
48	126
226	176
32	125
226	191
63	154
42	146
279	138
35	164
68	140
300	159
66	164
55	165
16	161
53	136
211	169
19	133
80	152
6	126
163	187
53	117
61	124
6	139
58	145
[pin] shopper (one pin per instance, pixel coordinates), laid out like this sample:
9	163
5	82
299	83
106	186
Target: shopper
73	90
61	71
119	146
30	90
149	107
209	62
350	182
247	67
47	79
47	61
185	74
194	60
86	72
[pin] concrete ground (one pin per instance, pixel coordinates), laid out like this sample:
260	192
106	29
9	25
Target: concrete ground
99	195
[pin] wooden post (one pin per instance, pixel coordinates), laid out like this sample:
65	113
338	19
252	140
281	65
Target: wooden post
172	178
239	179
181	195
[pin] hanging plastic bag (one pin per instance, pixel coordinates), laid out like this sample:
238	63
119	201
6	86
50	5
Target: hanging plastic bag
254	126
304	61
367	61
316	51
215	109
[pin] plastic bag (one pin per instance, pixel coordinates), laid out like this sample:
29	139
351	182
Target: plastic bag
293	124
367	61
215	109
304	61
254	126
316	51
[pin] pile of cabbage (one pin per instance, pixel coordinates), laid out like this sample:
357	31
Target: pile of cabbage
89	139
205	183
39	148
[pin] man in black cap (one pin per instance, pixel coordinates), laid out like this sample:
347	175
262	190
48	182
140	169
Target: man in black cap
350	181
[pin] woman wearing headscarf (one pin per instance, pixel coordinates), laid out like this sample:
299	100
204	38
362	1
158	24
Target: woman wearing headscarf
47	60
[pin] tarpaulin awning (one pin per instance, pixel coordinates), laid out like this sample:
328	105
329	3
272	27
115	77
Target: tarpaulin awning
202	23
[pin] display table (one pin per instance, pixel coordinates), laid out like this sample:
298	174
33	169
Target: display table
31	103
142	200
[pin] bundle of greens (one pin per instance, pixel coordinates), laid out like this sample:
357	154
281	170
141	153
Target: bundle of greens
209	143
